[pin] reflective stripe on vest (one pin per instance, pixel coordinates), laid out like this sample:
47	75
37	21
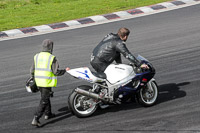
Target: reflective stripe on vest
44	76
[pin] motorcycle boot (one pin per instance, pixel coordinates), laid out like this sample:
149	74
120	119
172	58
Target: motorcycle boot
36	122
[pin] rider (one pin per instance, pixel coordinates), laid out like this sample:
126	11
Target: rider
109	49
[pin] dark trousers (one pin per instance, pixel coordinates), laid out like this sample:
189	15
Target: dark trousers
98	65
45	103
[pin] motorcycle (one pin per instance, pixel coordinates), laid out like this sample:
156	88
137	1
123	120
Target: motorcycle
118	84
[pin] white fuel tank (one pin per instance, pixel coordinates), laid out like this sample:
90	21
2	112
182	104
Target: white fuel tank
117	72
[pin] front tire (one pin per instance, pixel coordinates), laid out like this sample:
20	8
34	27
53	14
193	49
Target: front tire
81	106
148	96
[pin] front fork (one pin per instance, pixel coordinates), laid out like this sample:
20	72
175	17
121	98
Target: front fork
147	89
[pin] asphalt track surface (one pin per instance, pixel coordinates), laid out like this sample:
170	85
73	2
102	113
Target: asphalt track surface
170	40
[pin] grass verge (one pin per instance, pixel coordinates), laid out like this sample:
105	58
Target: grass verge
26	13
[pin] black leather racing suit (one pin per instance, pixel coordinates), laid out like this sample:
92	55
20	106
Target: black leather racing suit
108	50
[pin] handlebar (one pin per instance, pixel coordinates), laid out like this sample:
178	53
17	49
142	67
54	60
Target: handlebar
140	70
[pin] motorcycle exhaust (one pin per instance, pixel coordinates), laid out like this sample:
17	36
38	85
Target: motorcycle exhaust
89	94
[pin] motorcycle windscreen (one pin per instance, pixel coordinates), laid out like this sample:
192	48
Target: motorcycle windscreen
118	72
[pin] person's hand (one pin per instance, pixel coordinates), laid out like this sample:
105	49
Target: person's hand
67	69
144	66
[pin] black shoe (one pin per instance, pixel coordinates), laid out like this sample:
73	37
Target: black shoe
46	117
35	122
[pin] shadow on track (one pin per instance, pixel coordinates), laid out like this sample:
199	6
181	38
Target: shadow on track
171	91
64	114
167	92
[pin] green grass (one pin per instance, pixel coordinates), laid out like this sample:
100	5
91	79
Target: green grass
26	13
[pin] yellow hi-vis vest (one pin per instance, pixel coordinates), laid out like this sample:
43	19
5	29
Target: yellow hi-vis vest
44	76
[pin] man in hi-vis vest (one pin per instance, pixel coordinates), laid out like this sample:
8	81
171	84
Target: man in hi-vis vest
45	71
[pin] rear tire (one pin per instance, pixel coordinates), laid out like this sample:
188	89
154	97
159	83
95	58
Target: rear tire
148	96
81	106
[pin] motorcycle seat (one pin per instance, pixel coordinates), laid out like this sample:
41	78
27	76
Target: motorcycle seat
100	75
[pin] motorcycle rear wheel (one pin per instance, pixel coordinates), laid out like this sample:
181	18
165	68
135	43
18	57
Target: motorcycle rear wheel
81	106
148	96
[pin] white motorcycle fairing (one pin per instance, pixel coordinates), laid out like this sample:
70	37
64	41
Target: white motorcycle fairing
118	72
114	72
85	74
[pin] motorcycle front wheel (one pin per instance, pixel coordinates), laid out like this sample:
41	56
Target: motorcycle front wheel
148	95
81	106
